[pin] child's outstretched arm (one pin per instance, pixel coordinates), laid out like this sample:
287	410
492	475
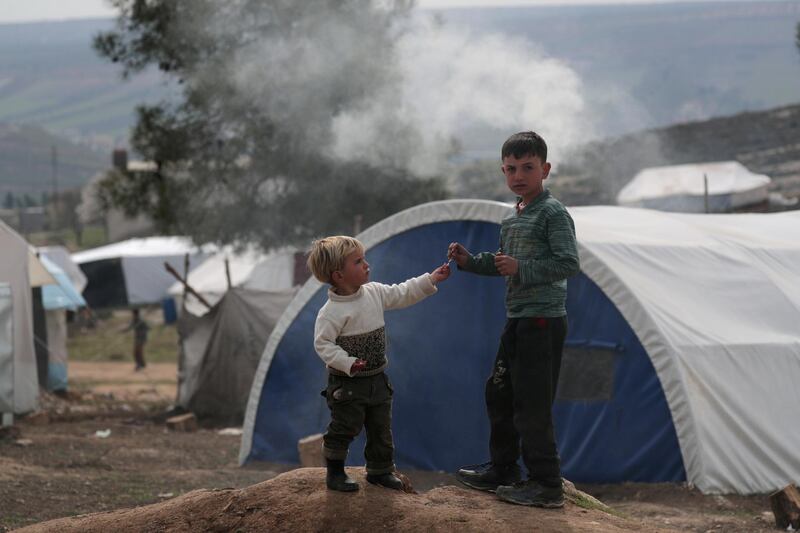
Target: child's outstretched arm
407	293
483	263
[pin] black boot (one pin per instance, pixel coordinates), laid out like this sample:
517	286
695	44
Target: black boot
532	493
337	478
388	480
488	476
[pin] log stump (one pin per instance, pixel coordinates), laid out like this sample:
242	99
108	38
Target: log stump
785	505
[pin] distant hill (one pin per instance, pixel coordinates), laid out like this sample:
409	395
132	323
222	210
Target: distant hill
51	77
26	162
766	142
645	66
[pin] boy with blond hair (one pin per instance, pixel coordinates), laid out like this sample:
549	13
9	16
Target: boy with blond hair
349	336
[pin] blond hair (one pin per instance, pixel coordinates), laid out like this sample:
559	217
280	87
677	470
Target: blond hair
327	255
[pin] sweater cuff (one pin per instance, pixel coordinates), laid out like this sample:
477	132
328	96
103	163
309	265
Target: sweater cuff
429	287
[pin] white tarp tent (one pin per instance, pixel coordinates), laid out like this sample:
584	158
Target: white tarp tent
699	315
132	272
682	188
61	257
19	271
250	270
715	301
57	299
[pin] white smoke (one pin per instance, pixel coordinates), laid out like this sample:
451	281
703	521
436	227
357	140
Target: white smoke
474	90
407	97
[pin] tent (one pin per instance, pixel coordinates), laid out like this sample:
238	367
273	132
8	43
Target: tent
250	269
132	272
683	187
20	270
221	349
682	359
57	299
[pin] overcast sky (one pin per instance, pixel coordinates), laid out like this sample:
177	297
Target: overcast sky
32	10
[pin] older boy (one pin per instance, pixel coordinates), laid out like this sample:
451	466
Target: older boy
537	254
349	336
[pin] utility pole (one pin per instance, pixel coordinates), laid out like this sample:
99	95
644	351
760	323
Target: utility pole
55	200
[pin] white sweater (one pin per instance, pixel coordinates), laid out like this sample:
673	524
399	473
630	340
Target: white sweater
352	327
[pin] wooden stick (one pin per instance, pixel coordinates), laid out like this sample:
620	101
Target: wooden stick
186	285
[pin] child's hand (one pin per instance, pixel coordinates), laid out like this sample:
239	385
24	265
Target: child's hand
505	264
358	366
441	273
458	253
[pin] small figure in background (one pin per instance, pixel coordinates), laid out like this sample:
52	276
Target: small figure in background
140	329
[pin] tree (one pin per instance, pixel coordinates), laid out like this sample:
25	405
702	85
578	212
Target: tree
244	154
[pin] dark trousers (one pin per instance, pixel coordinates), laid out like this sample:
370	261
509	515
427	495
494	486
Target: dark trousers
520	394
355	403
138	354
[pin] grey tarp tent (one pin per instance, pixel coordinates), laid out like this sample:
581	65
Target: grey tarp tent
220	351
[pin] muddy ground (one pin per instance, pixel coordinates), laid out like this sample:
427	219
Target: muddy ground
104	448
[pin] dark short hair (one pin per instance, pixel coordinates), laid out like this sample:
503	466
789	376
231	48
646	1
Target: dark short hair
524	143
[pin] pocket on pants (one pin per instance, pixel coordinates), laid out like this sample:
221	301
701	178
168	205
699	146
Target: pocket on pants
388	384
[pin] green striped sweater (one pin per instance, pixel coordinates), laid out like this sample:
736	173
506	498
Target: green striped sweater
541	237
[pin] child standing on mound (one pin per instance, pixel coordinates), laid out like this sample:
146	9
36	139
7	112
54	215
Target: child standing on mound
350	338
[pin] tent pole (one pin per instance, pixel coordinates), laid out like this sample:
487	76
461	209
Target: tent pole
185	276
186	286
228	273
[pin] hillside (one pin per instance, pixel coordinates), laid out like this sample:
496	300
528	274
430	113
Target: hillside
646	66
766	142
641	66
50	76
26	161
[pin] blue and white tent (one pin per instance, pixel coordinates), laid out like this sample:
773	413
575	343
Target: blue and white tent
57	299
682	359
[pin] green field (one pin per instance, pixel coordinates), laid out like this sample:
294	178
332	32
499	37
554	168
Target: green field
107	342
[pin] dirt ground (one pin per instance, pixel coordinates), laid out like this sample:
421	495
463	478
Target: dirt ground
105	447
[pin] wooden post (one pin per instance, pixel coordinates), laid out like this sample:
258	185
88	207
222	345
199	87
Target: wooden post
705	192
185	270
228	273
785	505
186	286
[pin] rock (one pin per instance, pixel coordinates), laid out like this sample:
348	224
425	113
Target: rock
187	422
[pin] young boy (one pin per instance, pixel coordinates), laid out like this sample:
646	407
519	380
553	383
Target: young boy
140	329
537	254
349	336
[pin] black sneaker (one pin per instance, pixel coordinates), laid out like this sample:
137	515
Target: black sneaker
533	494
388	480
488	476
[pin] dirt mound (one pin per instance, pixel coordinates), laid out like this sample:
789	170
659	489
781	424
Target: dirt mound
299	501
